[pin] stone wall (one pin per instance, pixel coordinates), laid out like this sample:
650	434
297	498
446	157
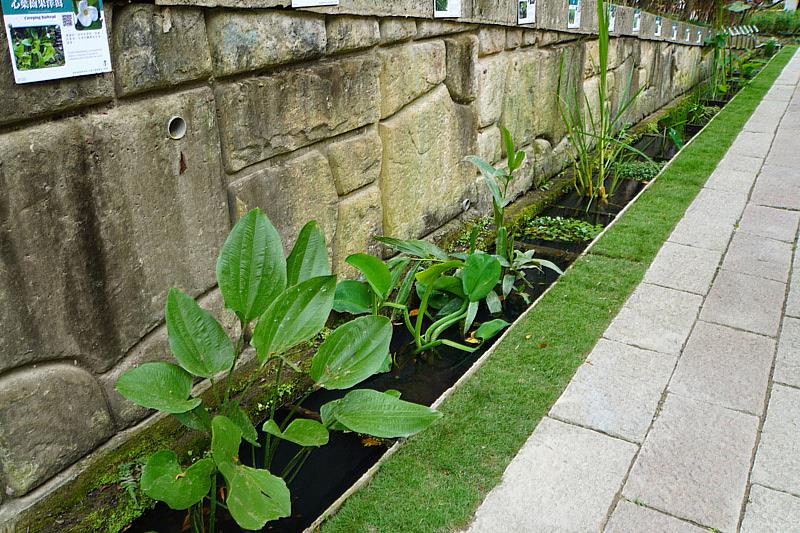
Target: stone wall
359	122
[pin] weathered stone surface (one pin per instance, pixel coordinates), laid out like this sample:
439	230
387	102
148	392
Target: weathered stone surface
787	364
492	74
433	28
21	102
394	30
49	417
423	177
629	517
355	161
409	71
723	179
513	38
494	11
744	163
290	109
462	61
752	144
777	186
352	33
360	220
697	229
568	474
745	302
757	256
492	40
250	40
678	472
616	391
770	510
158	47
282	191
777	462
725	206
684	268
655	318
489	148
89	252
725	367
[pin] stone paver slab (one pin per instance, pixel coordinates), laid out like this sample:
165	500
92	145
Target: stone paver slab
778	458
685	268
787	363
564	479
759	256
769	222
694	463
629	517
736	161
721	205
793	301
745	302
770	511
726	367
778	186
617	390
755	144
655	318
728	179
699	231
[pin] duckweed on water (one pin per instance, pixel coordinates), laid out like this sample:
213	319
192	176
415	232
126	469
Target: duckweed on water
560	229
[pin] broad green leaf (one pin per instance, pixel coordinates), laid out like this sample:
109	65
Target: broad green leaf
493	303
508	144
162	386
480	275
352	353
408	283
225	440
508	284
255	497
472	312
489	174
299	313
237	415
393	392
415	248
309	256
328	415
435	271
197	419
196	339
375	271
397	265
251	269
382	415
301	431
450	284
163	479
354	297
489	329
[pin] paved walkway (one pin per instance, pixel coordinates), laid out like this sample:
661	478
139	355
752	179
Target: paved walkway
686	415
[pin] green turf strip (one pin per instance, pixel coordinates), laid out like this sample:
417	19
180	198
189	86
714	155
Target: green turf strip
438	478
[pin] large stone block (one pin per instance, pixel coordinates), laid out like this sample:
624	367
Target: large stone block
360	220
158	47
289	109
423	176
49	417
89	249
409	71
355	161
462	60
291	192
492	73
30	100
492	40
250	40
346	34
395	29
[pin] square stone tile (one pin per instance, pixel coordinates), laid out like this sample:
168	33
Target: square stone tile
759	256
699	230
720	205
694	463
685	268
616	390
778	186
771	511
631	518
565	478
793	300
725	367
737	161
781	93
778	458
769	222
745	302
752	143
728	179
655	318
787	363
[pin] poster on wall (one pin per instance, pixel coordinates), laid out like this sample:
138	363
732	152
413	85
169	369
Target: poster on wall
637	20
526	11
699	36
674	36
657	31
446	8
574	14
687	35
54	39
314	3
612	17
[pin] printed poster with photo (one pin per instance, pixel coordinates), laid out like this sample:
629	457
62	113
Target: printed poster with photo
54	39
612	17
574	14
637	20
657	31
526	11
446	8
314	3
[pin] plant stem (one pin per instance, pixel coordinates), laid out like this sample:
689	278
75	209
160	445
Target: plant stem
212	518
272	408
237	353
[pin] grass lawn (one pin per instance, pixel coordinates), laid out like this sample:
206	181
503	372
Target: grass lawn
438	478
